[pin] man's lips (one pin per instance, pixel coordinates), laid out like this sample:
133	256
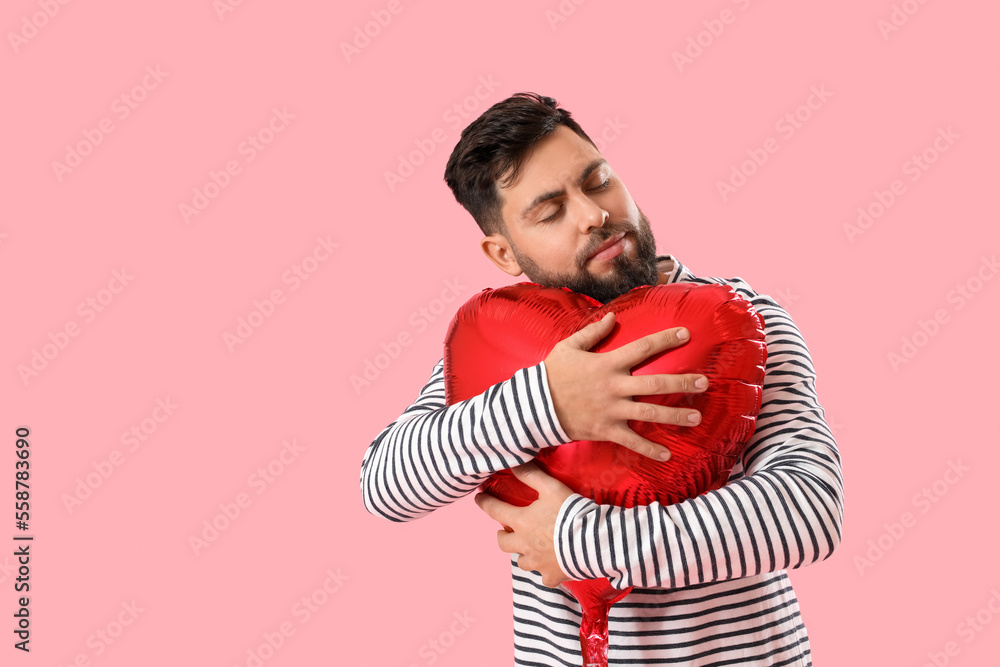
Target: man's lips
608	249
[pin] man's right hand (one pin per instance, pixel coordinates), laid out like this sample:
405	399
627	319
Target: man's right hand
592	392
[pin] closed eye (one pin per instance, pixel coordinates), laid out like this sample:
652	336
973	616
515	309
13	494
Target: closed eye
600	187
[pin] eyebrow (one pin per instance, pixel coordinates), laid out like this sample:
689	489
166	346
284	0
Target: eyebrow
542	198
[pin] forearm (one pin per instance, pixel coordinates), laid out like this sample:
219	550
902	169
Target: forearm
782	509
435	454
781	518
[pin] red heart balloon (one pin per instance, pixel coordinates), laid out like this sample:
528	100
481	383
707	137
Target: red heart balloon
500	331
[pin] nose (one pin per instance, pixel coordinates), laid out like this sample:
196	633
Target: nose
593	216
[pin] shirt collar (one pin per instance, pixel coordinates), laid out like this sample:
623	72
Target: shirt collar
679	272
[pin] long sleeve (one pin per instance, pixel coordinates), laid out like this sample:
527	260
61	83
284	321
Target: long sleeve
781	509
434	454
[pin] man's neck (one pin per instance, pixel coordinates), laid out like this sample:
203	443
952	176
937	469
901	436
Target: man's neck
665	267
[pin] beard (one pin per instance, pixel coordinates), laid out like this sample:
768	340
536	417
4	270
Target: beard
626	273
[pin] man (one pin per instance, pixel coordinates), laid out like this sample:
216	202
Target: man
709	573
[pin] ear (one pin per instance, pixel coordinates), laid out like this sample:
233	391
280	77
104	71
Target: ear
497	248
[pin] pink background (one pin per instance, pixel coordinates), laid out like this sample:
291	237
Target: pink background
679	131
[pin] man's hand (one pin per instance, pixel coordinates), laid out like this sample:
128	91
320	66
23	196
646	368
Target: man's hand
592	392
531	528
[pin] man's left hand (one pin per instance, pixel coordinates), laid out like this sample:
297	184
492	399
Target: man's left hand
529	530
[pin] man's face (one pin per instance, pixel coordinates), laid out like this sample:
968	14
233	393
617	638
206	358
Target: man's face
571	222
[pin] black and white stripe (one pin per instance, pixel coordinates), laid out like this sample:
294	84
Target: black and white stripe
709	573
435	454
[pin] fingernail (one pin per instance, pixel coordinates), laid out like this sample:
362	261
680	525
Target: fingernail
665	456
701	383
694	417
683	334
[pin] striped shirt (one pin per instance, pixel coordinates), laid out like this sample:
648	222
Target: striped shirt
709	573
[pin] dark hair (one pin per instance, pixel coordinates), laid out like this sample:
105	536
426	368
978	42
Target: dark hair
494	146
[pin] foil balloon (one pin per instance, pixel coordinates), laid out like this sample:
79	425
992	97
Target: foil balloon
500	331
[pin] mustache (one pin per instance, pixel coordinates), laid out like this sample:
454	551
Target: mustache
598	237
